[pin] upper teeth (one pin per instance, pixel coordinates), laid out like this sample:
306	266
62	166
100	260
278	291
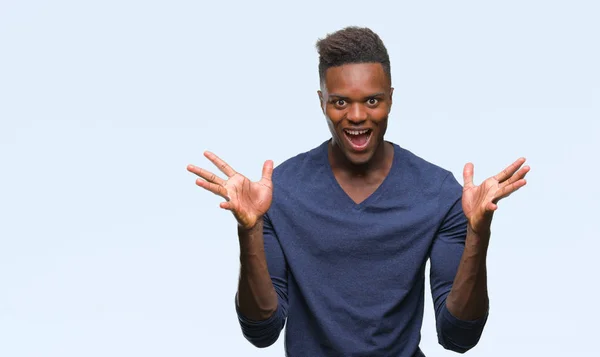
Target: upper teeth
356	132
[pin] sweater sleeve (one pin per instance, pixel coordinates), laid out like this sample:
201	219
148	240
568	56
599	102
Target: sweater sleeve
264	333
446	252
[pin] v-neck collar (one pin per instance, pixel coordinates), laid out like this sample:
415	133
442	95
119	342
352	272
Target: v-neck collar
339	191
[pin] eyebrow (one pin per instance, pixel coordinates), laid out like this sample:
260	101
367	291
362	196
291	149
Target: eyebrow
333	95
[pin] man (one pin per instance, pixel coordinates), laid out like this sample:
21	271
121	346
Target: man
334	241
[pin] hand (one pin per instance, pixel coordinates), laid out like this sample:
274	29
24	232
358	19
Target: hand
480	202
247	200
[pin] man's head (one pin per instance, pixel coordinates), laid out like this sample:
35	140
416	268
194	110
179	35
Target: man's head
356	91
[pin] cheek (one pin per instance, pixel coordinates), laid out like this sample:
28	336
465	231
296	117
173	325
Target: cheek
334	116
380	113
330	123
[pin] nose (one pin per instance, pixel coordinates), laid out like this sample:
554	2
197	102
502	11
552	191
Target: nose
357	113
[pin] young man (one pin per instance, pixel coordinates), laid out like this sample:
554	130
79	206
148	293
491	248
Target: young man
334	241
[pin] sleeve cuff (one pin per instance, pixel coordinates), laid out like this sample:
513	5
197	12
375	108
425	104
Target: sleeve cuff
255	323
464	324
261	333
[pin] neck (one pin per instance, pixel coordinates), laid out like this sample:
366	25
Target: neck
381	160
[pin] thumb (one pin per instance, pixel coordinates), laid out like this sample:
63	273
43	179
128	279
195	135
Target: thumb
267	171
468	175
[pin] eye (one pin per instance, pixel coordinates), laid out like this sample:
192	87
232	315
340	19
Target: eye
340	102
372	101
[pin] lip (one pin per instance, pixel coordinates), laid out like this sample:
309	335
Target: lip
356	129
360	148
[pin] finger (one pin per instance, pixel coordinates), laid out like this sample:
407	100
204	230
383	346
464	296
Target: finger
267	171
509	171
226	205
509	189
468	175
491	206
207	175
222	165
213	187
516	177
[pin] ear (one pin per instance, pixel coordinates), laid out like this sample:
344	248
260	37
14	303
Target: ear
321	101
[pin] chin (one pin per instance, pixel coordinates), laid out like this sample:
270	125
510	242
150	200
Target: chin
361	157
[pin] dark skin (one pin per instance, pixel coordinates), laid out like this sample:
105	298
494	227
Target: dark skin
248	201
357	96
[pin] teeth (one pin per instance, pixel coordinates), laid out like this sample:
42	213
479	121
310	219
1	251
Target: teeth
356	132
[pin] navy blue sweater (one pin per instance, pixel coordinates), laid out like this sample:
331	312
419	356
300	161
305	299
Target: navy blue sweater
350	277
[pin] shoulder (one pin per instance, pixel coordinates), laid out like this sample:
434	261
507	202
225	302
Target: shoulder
294	168
419	167
426	177
302	178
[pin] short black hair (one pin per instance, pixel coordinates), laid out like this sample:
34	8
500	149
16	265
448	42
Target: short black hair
352	45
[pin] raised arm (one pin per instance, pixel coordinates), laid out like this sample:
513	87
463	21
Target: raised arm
261	299
468	298
454	333
458	255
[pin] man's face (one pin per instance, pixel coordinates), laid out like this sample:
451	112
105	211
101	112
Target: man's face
356	100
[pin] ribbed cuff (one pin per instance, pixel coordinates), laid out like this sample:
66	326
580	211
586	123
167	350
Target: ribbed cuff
463	324
261	333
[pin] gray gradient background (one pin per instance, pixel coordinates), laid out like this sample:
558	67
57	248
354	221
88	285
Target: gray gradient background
107	248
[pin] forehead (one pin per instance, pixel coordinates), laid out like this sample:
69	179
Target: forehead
356	78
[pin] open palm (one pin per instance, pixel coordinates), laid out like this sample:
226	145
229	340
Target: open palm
247	200
480	202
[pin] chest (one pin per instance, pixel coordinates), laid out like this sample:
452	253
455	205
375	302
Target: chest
359	189
383	230
358	193
386	246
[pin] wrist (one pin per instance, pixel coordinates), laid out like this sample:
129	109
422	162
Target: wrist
251	238
478	238
480	231
256	227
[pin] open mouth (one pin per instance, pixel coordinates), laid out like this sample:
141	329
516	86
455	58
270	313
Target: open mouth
358	139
